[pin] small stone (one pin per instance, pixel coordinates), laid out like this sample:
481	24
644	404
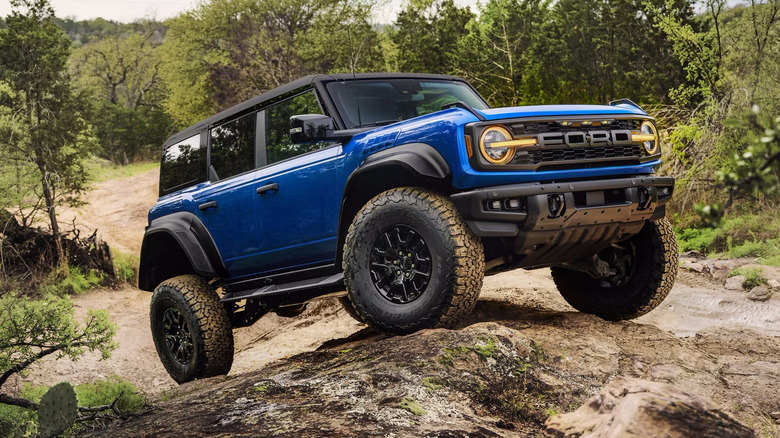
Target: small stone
735	283
694	266
720	265
760	293
694	255
774	284
774	415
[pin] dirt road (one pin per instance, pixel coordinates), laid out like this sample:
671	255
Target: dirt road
118	209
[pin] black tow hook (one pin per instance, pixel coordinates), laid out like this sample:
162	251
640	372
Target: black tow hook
645	198
556	206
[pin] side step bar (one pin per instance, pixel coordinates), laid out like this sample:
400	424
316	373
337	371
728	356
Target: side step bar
314	287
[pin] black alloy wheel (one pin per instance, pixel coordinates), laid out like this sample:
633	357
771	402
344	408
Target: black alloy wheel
178	336
400	264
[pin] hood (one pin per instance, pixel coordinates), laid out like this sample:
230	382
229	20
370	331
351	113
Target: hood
561	110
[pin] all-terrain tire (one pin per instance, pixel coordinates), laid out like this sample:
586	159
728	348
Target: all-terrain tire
656	260
350	309
457	262
192	299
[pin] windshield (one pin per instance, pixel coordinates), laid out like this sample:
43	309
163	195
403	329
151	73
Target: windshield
383	101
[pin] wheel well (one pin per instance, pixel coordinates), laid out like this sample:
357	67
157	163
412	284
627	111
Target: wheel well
361	188
161	258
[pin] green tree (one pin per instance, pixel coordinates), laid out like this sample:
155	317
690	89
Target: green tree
47	126
226	51
497	52
426	35
122	72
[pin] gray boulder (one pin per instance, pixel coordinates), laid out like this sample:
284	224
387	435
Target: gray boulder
630	407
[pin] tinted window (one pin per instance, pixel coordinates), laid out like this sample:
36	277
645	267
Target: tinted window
277	121
183	164
383	101
233	147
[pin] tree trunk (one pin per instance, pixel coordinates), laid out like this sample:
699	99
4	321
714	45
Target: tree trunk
48	197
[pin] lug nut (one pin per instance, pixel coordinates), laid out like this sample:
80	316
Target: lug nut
398	272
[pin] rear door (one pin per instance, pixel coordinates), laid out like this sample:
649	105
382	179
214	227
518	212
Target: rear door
297	200
227	205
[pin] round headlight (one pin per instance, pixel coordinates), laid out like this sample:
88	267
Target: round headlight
496	155
651	146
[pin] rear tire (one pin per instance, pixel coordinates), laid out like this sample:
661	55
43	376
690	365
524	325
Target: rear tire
411	262
191	329
655	260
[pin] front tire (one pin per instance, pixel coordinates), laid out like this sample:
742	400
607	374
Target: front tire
191	329
647	268
411	262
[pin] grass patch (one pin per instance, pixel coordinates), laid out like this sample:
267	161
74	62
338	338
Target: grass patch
15	421
71	281
412	406
103	170
753	276
488	348
125	266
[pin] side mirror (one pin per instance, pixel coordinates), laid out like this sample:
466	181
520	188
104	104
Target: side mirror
309	128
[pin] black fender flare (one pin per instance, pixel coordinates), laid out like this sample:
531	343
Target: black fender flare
193	239
411	164
419	158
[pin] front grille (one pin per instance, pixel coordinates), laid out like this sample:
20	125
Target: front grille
554	156
570	154
531	128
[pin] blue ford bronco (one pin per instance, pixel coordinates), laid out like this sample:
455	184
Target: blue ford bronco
404	190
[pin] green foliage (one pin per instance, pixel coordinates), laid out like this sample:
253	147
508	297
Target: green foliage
753	276
121	72
72	280
45	121
17	421
412	406
57	410
125	266
30	329
104	391
226	51
102	170
698	239
426	36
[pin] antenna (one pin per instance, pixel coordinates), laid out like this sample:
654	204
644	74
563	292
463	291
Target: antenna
354	78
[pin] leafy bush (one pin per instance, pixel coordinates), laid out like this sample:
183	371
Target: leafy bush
125	267
71	281
698	239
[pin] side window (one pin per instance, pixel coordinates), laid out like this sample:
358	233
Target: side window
182	164
277	122
233	147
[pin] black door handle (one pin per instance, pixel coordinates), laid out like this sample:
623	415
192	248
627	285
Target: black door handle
206	205
267	188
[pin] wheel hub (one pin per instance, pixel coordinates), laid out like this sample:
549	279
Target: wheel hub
178	337
400	264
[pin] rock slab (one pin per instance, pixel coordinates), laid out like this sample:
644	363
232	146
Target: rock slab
736	282
630	407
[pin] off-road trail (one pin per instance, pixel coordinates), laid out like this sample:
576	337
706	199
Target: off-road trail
702	336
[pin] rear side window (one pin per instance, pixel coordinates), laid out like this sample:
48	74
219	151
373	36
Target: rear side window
183	164
233	147
277	121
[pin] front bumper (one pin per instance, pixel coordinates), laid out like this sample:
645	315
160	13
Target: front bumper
554	222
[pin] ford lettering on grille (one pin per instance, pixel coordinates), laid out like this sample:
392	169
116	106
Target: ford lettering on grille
585	138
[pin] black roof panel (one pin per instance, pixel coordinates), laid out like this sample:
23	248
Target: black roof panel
293	86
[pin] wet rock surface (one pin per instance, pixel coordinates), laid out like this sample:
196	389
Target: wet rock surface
630	407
